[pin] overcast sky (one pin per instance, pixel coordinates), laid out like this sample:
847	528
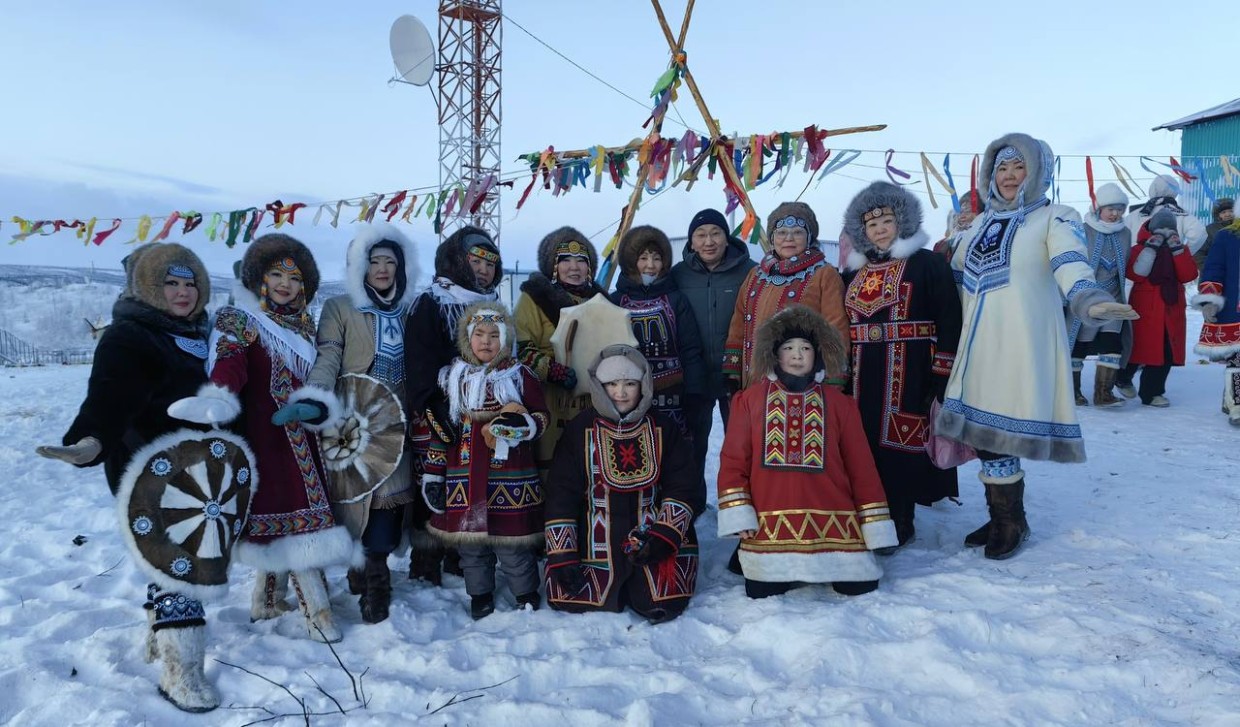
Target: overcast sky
124	108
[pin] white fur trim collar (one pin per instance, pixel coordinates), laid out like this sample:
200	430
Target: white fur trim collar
357	261
900	249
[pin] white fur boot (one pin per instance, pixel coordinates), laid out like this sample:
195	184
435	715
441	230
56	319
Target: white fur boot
182	680
152	646
311	587
270	592
1231	396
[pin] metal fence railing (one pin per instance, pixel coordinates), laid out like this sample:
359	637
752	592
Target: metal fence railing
16	352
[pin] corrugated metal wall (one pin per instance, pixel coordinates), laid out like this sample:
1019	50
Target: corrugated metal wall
1210	139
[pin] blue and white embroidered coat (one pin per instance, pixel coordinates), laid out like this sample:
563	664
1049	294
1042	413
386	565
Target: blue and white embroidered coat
1010	390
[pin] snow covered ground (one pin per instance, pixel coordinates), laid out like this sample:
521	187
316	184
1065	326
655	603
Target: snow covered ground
1121	610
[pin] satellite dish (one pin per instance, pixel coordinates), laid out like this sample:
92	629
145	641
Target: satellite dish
413	52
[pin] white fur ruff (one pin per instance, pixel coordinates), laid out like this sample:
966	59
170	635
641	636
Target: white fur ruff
357	262
466	385
320	549
319	395
280	343
879	534
830	567
212	404
900	249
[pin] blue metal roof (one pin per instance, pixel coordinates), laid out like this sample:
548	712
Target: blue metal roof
1226	109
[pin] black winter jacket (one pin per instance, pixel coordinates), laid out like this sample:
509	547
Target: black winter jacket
712	295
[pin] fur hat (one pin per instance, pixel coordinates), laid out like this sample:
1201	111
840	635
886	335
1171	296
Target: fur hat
564	241
1110	195
799	210
708	217
492	312
146	268
1164	185
1039	166
451	257
1222	205
266	251
883	197
798	321
638	240
357	262
598	394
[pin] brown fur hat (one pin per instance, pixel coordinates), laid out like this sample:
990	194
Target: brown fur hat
493	312
547	249
798	321
638	240
147	267
796	209
265	251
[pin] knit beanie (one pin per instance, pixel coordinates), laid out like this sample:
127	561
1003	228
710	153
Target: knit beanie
708	217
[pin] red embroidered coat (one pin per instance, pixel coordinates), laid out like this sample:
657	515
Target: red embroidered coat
489	500
608	479
796	467
292	501
904	316
774	285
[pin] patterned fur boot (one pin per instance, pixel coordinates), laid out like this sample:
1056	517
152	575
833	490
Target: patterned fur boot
268	599
311	588
1232	396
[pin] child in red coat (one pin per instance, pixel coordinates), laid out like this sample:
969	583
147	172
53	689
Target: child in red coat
797	481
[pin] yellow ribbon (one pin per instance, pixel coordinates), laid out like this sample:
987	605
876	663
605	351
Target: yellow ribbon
928	170
87	231
1229	172
144	229
1120	174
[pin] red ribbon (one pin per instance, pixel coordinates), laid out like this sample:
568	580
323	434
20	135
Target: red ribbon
393	205
1089	179
167	228
101	236
974	193
192	221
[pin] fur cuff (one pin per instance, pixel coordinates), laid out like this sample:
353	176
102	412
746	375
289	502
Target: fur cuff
213	404
1202	299
879	534
735	519
327	399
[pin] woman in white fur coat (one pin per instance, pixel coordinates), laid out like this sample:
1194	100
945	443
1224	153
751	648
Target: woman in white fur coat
1010	392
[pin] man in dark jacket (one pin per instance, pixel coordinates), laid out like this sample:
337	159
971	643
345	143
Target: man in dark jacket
710	276
1224	215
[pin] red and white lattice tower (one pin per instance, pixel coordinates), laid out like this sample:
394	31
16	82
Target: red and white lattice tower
470	34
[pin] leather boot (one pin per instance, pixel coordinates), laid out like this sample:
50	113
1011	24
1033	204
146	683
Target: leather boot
377	597
1104	381
1008	527
1076	389
356	578
981	536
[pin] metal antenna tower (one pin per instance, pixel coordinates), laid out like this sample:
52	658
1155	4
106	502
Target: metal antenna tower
470	35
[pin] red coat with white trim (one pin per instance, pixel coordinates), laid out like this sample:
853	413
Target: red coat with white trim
1159	319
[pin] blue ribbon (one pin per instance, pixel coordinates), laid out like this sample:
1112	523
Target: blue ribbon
947	171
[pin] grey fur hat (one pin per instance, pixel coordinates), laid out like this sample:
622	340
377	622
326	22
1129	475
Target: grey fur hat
795	209
562	241
882	196
1039	166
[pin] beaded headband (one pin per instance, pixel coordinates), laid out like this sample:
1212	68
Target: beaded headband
181	271
287	265
571	248
792	221
875	213
485	254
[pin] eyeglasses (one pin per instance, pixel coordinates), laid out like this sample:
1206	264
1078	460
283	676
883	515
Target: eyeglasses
790	233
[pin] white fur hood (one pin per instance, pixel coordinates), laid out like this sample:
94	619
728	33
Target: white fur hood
357	260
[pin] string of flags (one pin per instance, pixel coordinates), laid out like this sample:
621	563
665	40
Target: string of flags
758	160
